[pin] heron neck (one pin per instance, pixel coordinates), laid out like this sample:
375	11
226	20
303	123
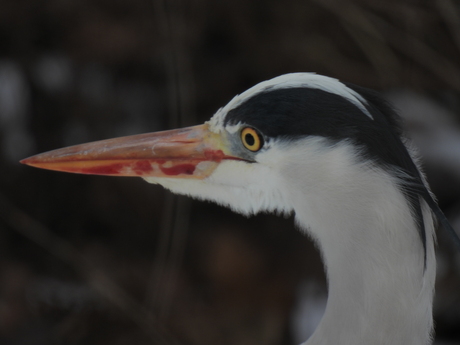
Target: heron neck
379	291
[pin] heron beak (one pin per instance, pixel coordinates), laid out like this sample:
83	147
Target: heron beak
192	152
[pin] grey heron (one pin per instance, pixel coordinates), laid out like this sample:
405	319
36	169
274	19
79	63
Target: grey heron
332	154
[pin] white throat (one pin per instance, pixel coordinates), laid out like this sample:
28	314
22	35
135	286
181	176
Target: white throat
379	290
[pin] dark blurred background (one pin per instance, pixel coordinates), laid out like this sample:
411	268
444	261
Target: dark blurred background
103	260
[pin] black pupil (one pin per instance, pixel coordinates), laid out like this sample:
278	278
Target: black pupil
250	140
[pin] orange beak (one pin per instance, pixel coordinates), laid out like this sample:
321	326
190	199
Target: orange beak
192	152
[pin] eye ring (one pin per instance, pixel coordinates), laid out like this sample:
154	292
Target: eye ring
251	139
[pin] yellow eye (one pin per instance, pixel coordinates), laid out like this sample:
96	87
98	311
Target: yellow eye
251	139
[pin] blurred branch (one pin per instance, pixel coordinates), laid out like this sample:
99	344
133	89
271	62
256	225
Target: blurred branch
171	18
36	232
379	54
413	47
451	14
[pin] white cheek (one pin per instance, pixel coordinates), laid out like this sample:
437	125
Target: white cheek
250	187
244	187
237	174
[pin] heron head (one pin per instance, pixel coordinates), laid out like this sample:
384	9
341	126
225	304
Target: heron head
283	135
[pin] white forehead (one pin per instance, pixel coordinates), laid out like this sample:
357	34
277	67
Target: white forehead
286	81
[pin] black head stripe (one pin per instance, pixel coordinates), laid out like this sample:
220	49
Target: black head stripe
300	112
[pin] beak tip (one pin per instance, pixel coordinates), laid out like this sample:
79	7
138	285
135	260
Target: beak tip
25	161
30	161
